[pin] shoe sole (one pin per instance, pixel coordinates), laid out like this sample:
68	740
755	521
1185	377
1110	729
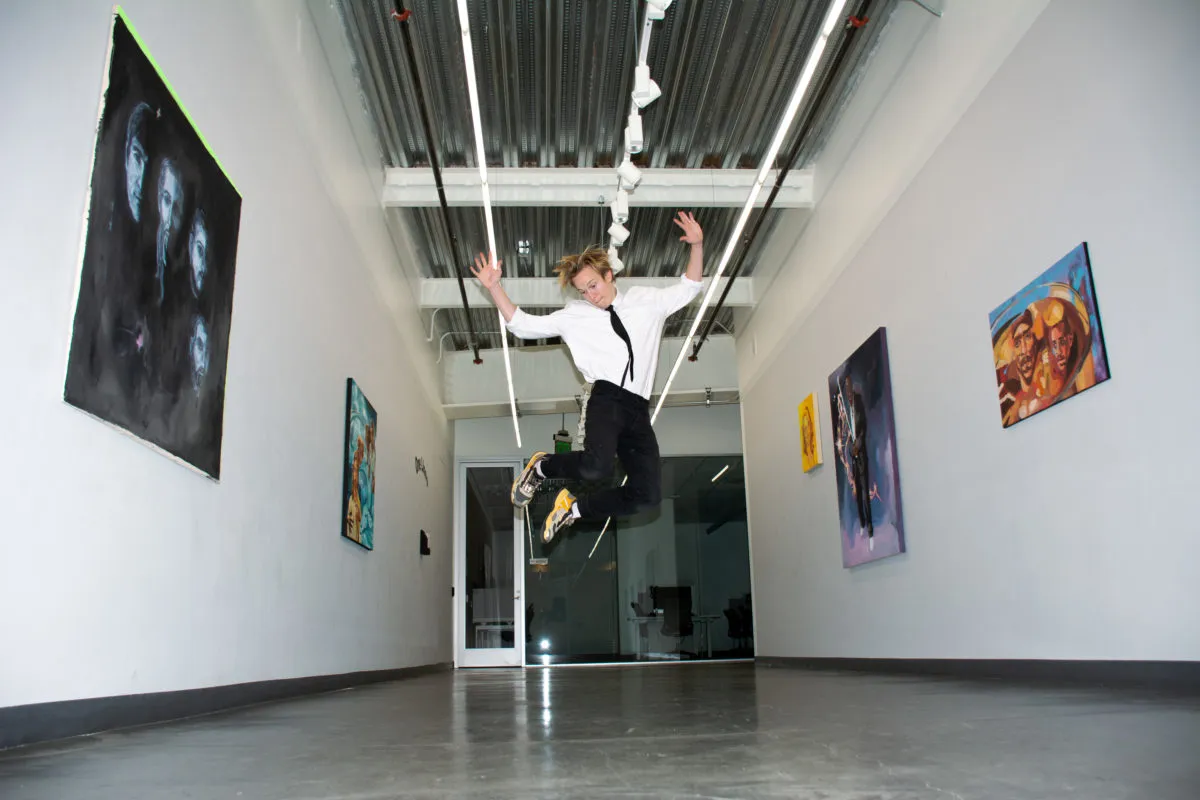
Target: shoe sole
548	528
520	500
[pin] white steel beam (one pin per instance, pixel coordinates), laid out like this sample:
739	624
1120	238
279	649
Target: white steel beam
571	186
529	292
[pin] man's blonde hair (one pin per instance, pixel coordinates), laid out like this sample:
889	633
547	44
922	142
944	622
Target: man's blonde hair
569	266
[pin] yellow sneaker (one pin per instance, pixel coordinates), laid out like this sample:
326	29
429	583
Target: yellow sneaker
527	483
560	516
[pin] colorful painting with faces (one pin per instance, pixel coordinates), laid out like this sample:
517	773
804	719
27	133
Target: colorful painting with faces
1047	341
358	468
155	289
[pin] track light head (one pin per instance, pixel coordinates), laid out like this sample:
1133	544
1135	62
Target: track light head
645	90
633	134
614	260
631	176
620	207
619	234
657	9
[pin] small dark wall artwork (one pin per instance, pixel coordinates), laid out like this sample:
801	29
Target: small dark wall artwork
864	443
155	287
358	479
1046	340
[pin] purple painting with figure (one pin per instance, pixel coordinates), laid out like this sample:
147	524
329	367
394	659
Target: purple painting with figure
1046	340
864	444
155	287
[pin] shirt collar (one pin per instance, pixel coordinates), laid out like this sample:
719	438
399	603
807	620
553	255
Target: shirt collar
618	299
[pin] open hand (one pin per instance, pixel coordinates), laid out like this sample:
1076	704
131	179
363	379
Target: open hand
692	234
489	274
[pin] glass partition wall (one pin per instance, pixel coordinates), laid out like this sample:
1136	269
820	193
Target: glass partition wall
669	584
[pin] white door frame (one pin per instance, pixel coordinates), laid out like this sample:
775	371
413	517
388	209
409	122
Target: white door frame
486	657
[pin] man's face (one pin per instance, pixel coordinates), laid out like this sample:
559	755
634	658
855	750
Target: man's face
135	171
1061	340
170	199
199	352
598	291
1026	351
198	252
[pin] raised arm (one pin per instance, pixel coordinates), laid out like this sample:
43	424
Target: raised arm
673	298
693	235
520	324
489	277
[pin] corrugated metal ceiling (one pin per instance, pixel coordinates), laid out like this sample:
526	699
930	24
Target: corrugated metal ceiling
554	79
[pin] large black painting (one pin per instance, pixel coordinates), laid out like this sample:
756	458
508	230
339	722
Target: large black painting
152	316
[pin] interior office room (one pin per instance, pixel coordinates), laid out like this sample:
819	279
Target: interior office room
923	526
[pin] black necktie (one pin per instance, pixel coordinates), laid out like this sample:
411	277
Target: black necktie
619	327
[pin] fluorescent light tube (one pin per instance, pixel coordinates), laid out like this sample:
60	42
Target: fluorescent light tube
802	83
477	122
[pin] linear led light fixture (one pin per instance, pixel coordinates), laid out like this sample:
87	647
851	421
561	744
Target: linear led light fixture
477	121
719	474
789	115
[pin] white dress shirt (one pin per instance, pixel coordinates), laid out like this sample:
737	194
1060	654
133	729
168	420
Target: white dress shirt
599	352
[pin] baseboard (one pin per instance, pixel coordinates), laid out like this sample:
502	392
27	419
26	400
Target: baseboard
1165	676
42	722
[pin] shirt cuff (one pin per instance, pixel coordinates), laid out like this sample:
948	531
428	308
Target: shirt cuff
684	279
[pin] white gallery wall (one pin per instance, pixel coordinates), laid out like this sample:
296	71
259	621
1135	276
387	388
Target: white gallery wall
121	571
1071	534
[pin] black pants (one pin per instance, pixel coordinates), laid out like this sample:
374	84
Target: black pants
617	423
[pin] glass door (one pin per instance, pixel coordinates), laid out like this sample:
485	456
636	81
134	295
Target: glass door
489	580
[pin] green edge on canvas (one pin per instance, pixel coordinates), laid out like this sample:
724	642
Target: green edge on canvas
137	37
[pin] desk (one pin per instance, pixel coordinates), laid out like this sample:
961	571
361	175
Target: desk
643	632
703	620
706	620
491	634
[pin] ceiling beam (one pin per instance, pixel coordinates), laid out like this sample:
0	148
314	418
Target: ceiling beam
571	186
530	292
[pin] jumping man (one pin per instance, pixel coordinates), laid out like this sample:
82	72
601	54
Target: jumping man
613	336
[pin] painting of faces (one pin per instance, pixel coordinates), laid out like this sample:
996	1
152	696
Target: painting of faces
1046	340
152	316
864	445
358	477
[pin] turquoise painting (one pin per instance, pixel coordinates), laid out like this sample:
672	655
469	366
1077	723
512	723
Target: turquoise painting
358	485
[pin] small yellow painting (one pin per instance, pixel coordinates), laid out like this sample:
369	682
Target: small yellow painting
810	433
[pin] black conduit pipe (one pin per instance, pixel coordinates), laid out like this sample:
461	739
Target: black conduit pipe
404	17
854	23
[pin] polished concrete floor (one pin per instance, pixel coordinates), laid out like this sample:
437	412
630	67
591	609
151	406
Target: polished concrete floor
686	731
